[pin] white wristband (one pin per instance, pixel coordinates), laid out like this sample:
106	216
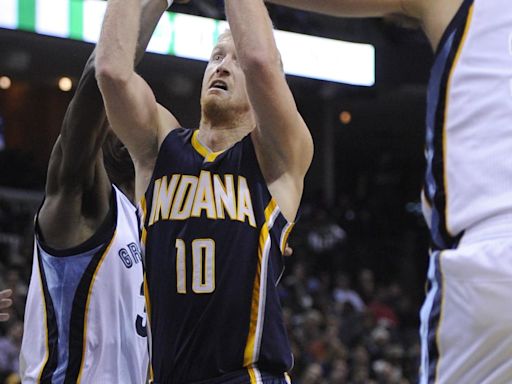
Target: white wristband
169	3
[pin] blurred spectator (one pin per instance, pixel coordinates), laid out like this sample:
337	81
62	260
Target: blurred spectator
313	374
325	235
345	296
13	378
366	285
339	372
382	311
10	349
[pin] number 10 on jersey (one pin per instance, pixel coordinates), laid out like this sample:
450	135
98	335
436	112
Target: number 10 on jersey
203	266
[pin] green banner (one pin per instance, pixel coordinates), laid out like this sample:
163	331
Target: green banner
27	15
76	19
173	34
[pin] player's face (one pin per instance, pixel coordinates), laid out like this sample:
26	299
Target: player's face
224	80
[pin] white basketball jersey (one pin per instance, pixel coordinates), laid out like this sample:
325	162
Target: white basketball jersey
469	122
85	320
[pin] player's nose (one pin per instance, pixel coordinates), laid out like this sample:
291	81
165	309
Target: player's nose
223	67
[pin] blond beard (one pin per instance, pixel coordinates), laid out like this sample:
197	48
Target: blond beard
219	113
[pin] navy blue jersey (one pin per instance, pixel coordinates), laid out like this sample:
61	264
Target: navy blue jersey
213	238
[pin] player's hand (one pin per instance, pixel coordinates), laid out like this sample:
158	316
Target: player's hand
5	302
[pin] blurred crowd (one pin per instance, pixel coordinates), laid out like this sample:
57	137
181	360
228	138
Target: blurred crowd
342	333
352	315
14	274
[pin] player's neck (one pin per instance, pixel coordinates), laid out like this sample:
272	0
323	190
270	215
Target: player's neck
219	136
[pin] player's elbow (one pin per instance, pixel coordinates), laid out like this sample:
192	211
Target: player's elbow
304	153
261	62
109	75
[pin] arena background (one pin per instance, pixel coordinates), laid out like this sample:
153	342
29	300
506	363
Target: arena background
353	287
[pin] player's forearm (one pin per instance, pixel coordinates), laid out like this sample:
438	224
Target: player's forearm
254	41
330	7
115	51
345	8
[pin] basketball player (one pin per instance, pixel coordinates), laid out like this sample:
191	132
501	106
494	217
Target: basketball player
5	302
466	328
217	203
85	317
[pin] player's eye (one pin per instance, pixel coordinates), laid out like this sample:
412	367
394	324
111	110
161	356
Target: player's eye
217	57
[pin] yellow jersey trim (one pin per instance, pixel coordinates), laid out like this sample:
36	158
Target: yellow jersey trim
143	207
143	232
208	155
249	356
148	320
252	375
284	239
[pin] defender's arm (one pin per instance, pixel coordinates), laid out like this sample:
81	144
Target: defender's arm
74	168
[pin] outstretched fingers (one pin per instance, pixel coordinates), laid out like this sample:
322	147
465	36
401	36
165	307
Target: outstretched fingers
5	302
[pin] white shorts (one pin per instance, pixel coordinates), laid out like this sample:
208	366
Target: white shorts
466	319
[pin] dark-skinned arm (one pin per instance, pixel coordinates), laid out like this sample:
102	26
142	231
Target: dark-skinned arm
77	188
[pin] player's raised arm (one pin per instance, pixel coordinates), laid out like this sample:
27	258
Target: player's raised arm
131	106
352	8
283	143
74	171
